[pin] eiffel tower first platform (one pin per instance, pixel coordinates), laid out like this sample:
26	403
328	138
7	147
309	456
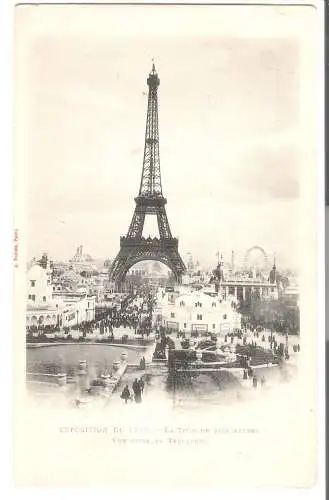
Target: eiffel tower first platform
150	201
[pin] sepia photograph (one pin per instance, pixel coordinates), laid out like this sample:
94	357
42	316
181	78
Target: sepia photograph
166	246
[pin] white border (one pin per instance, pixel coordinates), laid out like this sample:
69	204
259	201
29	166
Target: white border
6	293
6	486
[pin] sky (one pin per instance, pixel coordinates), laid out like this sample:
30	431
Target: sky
229	124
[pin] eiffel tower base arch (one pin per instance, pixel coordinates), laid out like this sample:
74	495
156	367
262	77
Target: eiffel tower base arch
134	250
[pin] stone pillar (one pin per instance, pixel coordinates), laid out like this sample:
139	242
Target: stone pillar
244	293
236	292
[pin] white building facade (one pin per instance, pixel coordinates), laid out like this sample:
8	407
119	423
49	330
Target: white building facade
196	311
46	307
78	307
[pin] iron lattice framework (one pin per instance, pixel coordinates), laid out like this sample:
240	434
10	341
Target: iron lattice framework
150	201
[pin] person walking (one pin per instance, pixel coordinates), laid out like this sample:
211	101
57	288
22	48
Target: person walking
137	391
125	394
141	385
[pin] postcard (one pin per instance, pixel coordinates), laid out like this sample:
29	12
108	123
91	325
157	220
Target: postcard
166	245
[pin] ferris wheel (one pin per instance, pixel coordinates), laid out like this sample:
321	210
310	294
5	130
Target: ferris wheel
256	257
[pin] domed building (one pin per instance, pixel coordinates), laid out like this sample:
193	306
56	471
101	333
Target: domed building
107	264
83	262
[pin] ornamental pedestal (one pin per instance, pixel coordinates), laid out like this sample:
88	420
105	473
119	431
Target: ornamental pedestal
124	357
116	366
83	365
61	379
106	379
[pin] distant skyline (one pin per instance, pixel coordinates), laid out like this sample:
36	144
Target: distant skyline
230	137
256	259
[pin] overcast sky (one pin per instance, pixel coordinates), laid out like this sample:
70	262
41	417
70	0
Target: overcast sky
229	126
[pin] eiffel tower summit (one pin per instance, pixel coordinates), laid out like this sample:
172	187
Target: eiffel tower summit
150	201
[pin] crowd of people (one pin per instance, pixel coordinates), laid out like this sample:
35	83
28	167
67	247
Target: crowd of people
279	348
130	315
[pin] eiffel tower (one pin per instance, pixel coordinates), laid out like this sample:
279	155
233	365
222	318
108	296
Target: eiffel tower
150	201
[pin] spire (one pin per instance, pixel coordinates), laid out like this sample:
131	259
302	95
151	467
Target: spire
273	273
151	178
220	261
153	81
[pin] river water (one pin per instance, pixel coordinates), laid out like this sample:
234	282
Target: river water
55	358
